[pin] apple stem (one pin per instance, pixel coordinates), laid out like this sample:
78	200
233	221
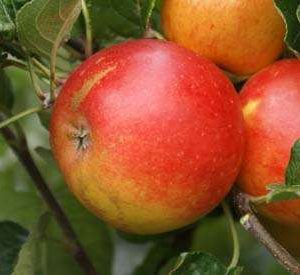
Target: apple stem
88	30
258	200
20	147
251	223
235	239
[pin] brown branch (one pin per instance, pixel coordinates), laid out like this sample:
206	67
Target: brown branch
20	148
253	225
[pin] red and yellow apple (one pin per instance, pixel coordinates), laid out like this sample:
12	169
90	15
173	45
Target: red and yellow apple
239	36
148	135
271	104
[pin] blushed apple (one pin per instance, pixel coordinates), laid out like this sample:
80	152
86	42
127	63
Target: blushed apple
271	104
148	135
239	36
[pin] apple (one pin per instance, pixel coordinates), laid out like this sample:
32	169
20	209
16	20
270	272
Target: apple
239	36
148	135
271	104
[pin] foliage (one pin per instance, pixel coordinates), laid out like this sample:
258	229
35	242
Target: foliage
290	10
30	240
291	188
12	237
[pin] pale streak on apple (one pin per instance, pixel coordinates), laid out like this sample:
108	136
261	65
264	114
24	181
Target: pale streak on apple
250	108
80	95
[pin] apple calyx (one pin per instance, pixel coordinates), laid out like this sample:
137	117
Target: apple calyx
81	137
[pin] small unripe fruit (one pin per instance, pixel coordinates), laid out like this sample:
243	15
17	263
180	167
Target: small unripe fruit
148	135
240	36
271	104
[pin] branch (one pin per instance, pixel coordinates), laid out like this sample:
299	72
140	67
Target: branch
253	225
21	150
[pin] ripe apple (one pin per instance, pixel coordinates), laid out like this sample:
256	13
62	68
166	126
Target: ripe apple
239	36
271	104
148	135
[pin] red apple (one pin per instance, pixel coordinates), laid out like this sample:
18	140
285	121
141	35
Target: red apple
148	135
240	36
271	106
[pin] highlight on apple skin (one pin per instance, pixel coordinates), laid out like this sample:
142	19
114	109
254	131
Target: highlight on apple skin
271	104
148	135
239	36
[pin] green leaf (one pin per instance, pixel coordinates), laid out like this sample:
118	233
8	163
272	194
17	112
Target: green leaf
289	11
235	271
291	189
146	12
279	192
45	154
42	24
213	236
198	263
26	264
127	9
6	95
292	175
6	22
53	20
114	20
12	237
8	9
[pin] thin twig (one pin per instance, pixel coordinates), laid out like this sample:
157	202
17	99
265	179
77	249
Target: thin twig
20	115
21	150
253	225
52	78
38	91
41	67
88	30
235	239
150	33
21	65
45	70
13	62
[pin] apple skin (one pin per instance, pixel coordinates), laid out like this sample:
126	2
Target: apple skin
148	135
271	104
240	36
